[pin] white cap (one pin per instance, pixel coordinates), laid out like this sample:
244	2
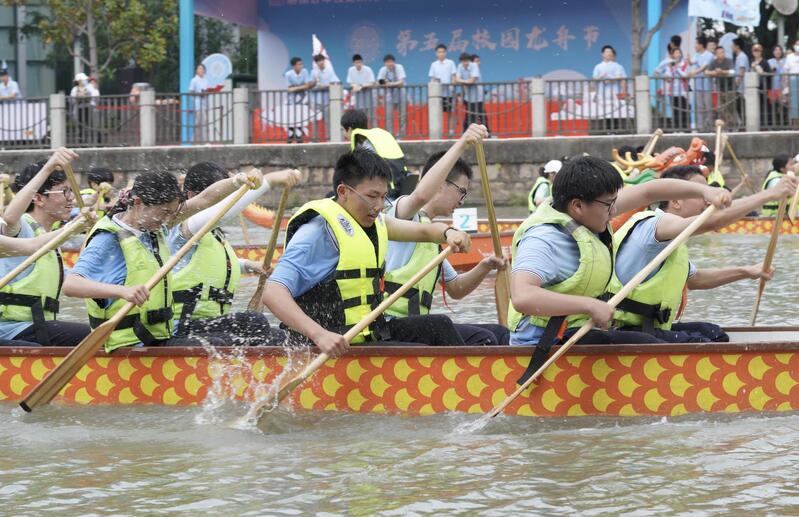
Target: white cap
553	166
81	77
796	158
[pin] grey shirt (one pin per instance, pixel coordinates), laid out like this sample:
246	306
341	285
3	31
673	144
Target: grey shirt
726	83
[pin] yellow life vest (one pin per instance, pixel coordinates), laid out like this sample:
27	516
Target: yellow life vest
419	299
656	301
90	192
592	276
386	146
354	290
771	207
152	321
531	206
204	288
34	297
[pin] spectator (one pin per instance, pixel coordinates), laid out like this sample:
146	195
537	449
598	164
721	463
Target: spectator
723	70
392	78
674	42
790	85
741	67
611	87
764	72
777	64
675	71
476	59
712	44
361	78
298	81
323	76
468	75
199	87
443	70
703	87
778	102
9	89
81	99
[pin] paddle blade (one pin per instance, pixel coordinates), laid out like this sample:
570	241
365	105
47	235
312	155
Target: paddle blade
255	301
60	376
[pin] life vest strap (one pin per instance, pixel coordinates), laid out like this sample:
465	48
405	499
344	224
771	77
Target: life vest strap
350	274
543	347
649	312
415	301
133	321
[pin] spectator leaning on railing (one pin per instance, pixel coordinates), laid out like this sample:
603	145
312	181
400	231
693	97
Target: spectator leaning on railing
443	70
391	78
791	84
762	68
298	81
468	75
361	78
702	87
674	69
741	67
723	70
9	89
323	76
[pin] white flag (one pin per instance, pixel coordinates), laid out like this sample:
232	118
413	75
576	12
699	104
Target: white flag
737	12
318	48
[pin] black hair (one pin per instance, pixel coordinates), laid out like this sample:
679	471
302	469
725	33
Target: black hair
153	188
702	40
720	47
713	39
356	166
319	57
623	150
3	71
202	175
202	65
356	57
100	175
295	60
584	178
740	43
354	119
780	161
465	56
679	172
475	56
24	177
388	57
460	168
441	45
676	41
609	47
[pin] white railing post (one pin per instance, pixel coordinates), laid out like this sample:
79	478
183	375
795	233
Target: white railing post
241	119
643	109
147	118
58	120
538	106
335	108
435	110
751	102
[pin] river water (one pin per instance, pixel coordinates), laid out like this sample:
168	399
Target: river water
157	460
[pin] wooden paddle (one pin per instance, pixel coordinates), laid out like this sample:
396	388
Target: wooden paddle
650	146
58	377
502	285
617	298
744	176
792	209
317	363
68	231
244	231
770	251
3	187
73	183
255	302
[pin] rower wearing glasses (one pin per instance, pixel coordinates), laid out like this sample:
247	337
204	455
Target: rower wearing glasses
29	303
330	275
444	185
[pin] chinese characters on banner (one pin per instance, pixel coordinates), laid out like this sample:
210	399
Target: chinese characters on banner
536	40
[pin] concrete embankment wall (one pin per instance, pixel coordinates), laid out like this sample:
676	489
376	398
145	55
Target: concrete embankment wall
512	164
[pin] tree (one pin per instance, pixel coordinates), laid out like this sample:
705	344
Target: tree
641	39
110	30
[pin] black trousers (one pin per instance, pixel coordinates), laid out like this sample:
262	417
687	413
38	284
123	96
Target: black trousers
691	332
236	328
485	334
62	333
609	337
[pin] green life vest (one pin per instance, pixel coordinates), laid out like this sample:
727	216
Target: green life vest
418	299
90	192
151	322
619	170
386	146
351	293
656	301
531	206
592	276
204	288
771	207
715	178
35	297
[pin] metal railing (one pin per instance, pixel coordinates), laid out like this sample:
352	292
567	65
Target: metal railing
24	123
504	107
778	97
683	105
279	116
400	110
194	118
590	107
103	121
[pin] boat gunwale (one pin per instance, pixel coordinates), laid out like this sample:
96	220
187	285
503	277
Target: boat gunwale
446	351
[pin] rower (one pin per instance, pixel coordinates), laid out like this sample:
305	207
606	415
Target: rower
100	180
126	248
653	305
780	165
29	303
355	125
542	188
207	277
562	254
331	272
443	187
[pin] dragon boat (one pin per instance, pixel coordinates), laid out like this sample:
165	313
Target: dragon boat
758	370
